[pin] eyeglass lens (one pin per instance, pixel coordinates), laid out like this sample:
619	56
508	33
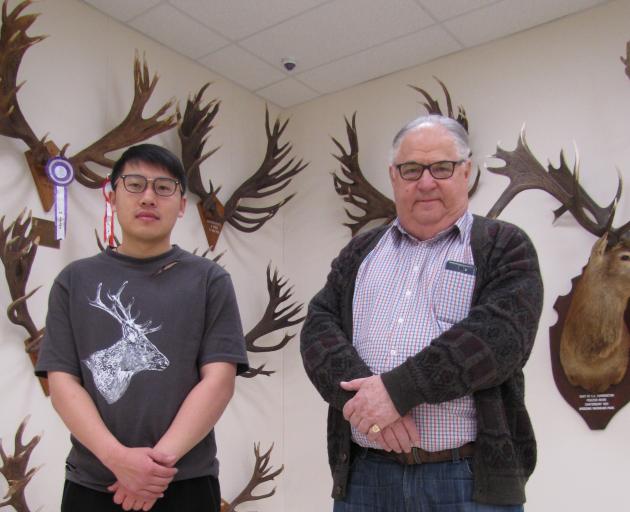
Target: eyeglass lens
136	184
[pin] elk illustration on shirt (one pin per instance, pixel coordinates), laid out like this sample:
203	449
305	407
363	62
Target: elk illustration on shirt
113	367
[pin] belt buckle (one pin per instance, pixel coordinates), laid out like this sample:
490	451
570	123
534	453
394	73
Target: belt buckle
415	452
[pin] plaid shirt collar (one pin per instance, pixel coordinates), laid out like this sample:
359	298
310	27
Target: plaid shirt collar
460	226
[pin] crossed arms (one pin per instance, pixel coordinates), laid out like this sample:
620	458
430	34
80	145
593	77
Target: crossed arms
143	473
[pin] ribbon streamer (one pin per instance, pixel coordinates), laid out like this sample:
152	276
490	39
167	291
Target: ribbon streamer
108	219
61	173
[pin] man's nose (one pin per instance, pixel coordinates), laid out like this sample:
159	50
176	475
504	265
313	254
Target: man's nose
148	196
426	181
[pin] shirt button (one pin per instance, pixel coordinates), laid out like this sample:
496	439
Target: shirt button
408	293
416	268
400	320
393	352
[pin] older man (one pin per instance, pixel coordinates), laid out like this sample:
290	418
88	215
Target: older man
418	340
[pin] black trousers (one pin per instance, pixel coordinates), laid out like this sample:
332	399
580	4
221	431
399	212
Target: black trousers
194	495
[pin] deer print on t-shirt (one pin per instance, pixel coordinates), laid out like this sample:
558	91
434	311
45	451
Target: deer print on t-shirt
113	367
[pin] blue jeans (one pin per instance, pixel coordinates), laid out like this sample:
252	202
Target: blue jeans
378	484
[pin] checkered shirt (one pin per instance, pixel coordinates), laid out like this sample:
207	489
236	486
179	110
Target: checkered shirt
408	292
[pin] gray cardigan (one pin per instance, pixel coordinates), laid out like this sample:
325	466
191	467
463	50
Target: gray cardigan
482	355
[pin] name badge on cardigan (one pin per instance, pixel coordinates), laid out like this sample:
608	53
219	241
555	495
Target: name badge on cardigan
463	268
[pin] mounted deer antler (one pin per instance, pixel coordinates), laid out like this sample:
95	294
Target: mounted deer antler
433	107
194	127
626	61
15	469
262	473
357	190
273	319
134	128
525	172
18	246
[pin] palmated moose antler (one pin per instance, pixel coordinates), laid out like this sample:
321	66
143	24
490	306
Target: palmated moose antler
267	180
626	61
276	316
433	107
525	172
134	128
15	469
262	473
356	189
18	246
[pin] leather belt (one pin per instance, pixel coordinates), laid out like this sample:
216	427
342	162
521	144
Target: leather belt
420	456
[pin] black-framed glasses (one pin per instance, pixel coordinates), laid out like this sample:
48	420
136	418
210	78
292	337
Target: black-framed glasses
413	171
136	184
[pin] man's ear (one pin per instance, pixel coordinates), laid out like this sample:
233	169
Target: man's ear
182	207
467	168
392	173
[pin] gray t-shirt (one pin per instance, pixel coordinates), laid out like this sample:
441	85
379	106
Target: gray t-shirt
136	332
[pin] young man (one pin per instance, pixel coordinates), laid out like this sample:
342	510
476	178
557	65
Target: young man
142	346
418	341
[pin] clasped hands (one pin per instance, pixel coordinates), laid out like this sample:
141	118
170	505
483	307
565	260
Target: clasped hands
372	412
142	476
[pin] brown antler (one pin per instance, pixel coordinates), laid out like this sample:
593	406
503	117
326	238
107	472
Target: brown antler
133	129
15	469
626	61
264	182
18	246
262	473
357	190
525	172
433	107
274	318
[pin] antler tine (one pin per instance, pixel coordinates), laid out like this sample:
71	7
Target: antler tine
626	61
132	129
253	372
433	107
357	190
262	473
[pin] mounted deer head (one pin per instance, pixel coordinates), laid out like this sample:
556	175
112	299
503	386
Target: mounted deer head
595	344
18	246
276	316
262	473
133	129
15	469
113	367
267	180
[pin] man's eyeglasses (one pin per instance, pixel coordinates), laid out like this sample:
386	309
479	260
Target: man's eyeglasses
136	184
413	171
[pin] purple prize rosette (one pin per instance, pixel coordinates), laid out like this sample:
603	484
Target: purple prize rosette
61	173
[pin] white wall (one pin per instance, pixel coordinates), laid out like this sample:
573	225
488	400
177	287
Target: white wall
564	79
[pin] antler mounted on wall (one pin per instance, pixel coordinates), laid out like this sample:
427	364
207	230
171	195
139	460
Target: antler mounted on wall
15	469
267	180
18	246
626	61
276	316
134	128
262	473
358	191
433	106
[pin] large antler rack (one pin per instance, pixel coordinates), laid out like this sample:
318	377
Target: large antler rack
525	172
356	189
262	473
18	246
276	316
269	179
134	128
15	470
626	61
433	106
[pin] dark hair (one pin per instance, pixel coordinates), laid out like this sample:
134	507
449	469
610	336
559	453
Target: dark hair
150	154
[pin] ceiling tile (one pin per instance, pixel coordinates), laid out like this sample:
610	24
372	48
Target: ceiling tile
287	93
481	26
122	10
170	27
444	10
399	54
236	19
242	67
337	29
